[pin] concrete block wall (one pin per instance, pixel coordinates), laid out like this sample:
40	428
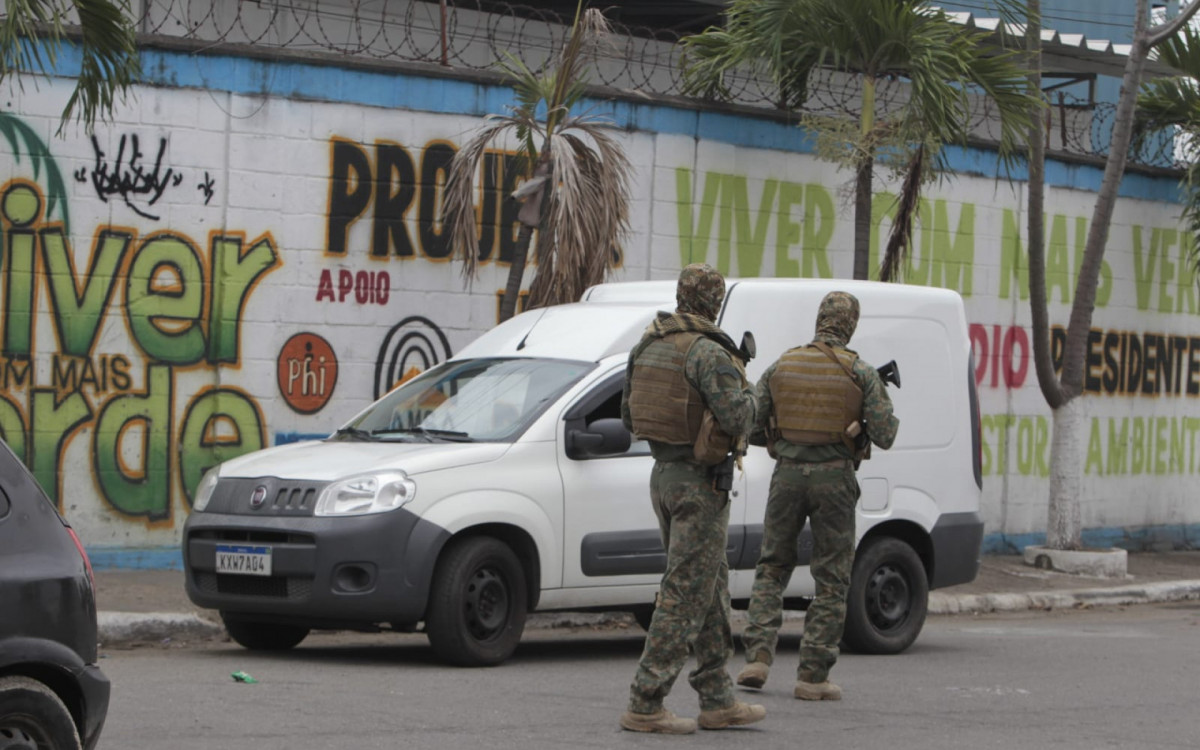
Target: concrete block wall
247	254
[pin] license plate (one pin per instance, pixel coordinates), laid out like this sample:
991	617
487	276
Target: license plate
243	560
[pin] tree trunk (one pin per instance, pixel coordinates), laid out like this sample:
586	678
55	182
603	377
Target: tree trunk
862	218
1064	529
516	272
1043	364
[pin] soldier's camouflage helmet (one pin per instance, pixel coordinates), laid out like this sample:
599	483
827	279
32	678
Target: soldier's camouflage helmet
837	317
700	291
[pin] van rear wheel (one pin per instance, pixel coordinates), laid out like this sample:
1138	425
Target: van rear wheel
478	603
888	598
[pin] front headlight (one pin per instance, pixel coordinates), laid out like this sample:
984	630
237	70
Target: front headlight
204	490
369	493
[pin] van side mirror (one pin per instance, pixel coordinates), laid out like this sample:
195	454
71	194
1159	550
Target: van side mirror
604	437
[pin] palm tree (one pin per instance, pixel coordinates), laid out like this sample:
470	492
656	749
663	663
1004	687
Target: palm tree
943	63
31	35
1173	104
576	191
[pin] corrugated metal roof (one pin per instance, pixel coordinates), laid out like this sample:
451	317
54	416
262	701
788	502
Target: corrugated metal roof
1066	54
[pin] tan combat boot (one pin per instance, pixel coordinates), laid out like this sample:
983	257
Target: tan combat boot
735	716
817	691
661	721
754	675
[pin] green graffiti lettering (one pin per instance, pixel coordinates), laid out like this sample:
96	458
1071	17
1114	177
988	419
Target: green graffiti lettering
1012	257
996	427
921	258
143	490
1161	445
219	424
164	300
985	427
1178	445
234	274
1166	274
750	240
819	221
1025	457
1185	292
1041	446
77	314
1192	426
53	420
1095	450
1138	447
694	237
1143	271
1118	443
12	427
787	232
1058	265
1104	282
953	253
20	206
20	292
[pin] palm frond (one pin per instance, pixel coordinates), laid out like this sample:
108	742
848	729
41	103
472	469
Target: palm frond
587	214
896	254
32	32
460	216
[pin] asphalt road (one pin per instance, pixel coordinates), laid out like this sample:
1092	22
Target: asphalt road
1108	677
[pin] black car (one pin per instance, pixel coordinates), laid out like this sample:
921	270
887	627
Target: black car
52	693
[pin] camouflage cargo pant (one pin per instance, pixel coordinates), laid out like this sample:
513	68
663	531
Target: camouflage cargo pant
693	605
826	494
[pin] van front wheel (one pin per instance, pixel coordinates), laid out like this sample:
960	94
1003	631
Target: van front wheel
478	603
888	598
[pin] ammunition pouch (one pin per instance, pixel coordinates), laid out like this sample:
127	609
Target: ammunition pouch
712	444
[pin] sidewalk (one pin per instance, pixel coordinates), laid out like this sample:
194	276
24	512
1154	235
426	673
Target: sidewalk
145	607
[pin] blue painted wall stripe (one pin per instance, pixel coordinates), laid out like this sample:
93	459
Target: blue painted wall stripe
409	91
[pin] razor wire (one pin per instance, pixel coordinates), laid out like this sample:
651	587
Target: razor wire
480	35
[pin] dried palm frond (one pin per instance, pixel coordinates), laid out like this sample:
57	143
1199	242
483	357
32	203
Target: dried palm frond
581	210
899	245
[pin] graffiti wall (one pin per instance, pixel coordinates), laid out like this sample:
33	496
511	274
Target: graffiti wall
217	271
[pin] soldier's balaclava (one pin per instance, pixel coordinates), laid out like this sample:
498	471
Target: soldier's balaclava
837	317
700	291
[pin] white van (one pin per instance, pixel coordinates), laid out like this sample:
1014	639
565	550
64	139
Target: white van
502	482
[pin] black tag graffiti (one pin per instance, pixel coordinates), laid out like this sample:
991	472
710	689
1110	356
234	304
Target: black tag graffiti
128	176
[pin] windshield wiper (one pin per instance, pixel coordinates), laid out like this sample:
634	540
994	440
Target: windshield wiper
428	433
355	432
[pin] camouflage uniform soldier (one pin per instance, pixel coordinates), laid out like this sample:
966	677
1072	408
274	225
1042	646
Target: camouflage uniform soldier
806	401
685	372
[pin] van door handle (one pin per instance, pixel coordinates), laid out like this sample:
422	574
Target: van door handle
733	493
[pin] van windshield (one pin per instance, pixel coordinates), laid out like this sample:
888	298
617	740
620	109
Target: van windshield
484	400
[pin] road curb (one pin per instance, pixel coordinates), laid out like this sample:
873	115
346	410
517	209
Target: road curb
1167	591
134	628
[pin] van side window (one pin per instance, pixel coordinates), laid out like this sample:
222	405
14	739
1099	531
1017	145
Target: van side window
602	402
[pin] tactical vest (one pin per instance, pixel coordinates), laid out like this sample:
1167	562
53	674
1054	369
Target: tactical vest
815	398
662	403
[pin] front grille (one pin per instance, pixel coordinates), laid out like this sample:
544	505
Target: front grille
253	535
265	496
297	498
277	587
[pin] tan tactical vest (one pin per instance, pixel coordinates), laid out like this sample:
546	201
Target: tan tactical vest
816	398
663	405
